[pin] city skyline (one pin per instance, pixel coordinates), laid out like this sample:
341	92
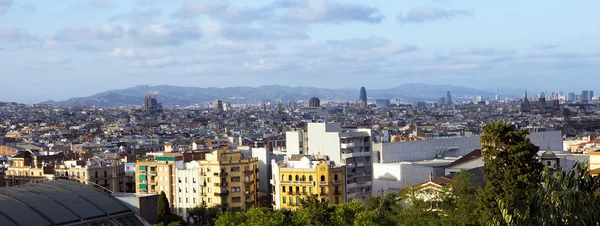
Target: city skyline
88	47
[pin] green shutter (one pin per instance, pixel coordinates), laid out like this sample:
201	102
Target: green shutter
143	187
143	178
143	167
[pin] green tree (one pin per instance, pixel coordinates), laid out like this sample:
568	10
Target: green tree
313	212
512	172
345	213
254	216
457	206
417	211
568	197
164	209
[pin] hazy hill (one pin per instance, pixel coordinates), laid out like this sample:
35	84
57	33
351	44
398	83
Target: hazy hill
184	96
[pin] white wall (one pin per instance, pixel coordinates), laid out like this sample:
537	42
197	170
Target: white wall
391	177
292	142
474	163
427	149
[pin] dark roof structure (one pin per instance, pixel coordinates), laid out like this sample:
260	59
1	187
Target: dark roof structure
468	157
62	203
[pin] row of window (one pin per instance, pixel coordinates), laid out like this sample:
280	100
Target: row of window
290	200
303	177
310	189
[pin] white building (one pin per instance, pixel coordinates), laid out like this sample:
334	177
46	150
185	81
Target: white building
187	188
347	146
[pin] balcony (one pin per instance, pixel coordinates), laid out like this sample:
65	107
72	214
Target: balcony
249	182
337	193
248	172
247	192
337	182
348	145
322	183
287	182
222	193
223	174
152	172
249	201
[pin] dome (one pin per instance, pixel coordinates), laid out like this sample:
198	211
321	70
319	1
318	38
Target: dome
548	155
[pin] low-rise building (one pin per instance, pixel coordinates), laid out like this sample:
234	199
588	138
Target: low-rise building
303	176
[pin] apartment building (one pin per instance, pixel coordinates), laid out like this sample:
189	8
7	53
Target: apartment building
302	176
28	166
109	174
226	178
347	146
156	174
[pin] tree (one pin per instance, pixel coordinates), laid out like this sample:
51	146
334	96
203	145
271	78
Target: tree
164	212
313	212
164	209
457	206
254	216
345	213
512	172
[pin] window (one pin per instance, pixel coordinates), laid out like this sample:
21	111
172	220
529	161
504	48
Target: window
208	179
236	189
187	200
549	163
194	180
283	189
208	169
282	177
304	190
209	200
96	174
297	200
297	178
290	177
179	179
235	169
194	200
310	178
303	178
322	178
209	190
310	190
283	200
194	190
105	175
236	199
335	177
235	179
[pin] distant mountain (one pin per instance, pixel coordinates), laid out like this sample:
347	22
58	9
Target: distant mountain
185	96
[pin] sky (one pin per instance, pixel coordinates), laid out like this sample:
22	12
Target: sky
55	50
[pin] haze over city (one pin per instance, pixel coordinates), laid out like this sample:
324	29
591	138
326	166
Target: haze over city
87	47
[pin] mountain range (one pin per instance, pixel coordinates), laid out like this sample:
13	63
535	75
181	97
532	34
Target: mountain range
186	96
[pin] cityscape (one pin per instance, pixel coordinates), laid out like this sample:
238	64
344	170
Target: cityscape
285	113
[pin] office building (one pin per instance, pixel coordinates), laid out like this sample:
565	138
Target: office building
585	95
314	102
302	176
571	97
382	103
448	98
347	146
219	105
363	97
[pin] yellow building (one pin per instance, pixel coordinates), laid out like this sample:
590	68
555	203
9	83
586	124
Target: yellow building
298	178
28	166
228	179
110	174
156	174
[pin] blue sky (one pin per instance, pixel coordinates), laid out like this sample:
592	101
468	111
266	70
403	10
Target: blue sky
68	48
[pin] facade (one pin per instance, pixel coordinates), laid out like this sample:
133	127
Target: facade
299	178
108	174
226	178
363	97
347	146
448	98
28	166
383	103
157	174
219	105
314	102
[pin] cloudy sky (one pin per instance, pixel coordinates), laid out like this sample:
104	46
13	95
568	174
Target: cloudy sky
66	48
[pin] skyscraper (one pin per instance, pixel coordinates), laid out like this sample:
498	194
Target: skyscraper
571	97
585	94
448	98
219	105
314	102
363	97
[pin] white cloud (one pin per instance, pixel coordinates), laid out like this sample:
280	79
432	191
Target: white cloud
165	34
328	11
154	62
57	60
136	16
423	14
125	53
193	9
103	32
14	34
49	44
